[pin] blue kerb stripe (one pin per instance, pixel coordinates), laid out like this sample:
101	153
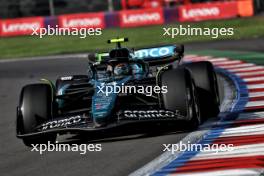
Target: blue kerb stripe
242	91
241	101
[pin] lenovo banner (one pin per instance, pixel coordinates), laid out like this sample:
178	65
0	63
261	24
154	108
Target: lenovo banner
134	18
82	20
207	11
20	26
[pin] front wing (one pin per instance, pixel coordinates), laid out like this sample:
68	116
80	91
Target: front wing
83	123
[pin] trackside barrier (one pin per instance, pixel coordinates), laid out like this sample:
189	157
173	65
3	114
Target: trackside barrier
199	12
134	18
82	20
245	8
20	26
130	18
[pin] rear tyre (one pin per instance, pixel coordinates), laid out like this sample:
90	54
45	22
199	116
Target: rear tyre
181	95
205	79
35	107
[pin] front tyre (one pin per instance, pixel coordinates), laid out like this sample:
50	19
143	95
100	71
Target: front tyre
205	79
35	107
181	95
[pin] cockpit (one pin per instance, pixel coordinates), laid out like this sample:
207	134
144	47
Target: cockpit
120	69
118	63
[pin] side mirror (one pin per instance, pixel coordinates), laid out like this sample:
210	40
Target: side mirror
91	71
179	50
92	57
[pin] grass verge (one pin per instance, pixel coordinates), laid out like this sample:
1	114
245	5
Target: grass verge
26	46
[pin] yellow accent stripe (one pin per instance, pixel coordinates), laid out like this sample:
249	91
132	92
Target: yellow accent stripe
117	40
51	85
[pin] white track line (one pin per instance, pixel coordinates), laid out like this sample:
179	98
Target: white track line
256	94
256	86
243	131
219	59
250	73
251	115
197	58
254	103
238	151
246	69
237	66
228	172
260	78
251	132
231	62
207	58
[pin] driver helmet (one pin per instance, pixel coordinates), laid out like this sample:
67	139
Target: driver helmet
137	68
121	69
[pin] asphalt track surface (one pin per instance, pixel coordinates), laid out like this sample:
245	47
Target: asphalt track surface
120	156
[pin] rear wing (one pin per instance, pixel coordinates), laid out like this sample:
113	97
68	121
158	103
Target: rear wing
160	55
154	56
155	52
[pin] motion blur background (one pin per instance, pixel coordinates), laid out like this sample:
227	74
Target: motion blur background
27	8
140	20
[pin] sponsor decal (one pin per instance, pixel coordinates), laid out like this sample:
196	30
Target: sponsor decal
155	52
152	52
150	114
133	18
21	26
197	12
66	78
83	20
203	12
62	122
